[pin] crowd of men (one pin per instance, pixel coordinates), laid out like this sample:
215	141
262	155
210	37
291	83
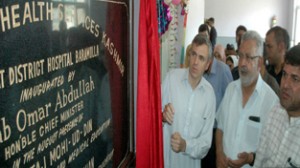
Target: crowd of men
213	118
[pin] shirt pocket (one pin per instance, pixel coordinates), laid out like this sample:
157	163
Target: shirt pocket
198	124
294	154
253	129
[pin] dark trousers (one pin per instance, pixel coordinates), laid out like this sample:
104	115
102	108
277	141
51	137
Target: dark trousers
209	161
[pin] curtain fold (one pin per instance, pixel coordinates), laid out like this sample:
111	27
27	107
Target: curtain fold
149	141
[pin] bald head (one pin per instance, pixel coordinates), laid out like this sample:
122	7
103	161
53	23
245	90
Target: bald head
219	52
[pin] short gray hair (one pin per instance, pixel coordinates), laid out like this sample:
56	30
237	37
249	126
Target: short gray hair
200	40
253	35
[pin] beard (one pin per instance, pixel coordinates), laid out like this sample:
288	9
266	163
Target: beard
247	78
290	104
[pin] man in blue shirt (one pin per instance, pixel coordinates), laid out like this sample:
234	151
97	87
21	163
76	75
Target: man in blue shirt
219	76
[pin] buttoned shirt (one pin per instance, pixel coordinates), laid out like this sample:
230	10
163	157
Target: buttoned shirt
241	126
280	141
193	118
219	77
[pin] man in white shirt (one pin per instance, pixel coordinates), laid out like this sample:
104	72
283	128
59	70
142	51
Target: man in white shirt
280	140
189	109
244	107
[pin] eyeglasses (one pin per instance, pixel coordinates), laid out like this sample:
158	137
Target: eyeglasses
247	57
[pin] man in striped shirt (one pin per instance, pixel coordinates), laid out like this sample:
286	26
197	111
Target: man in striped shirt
280	140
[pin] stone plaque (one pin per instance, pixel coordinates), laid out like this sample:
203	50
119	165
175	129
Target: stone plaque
64	90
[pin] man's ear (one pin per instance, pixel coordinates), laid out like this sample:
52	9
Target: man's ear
209	62
281	47
260	62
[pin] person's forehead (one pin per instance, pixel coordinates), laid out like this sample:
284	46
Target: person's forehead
292	69
229	61
217	53
202	48
218	48
205	33
241	32
194	46
248	45
270	36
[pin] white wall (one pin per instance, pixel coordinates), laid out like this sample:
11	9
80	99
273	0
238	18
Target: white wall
296	21
195	17
254	14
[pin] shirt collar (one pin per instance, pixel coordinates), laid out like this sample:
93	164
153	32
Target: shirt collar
257	89
213	68
185	79
259	83
294	120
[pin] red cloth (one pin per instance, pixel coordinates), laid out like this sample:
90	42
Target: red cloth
149	148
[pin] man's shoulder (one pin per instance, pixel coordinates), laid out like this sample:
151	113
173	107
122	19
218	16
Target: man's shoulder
277	112
176	75
270	68
223	66
232	87
206	84
271	81
177	71
213	29
278	107
268	90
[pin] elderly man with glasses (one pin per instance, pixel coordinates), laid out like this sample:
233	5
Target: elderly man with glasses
244	107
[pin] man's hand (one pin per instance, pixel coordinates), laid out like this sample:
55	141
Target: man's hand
168	113
243	158
178	144
222	160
